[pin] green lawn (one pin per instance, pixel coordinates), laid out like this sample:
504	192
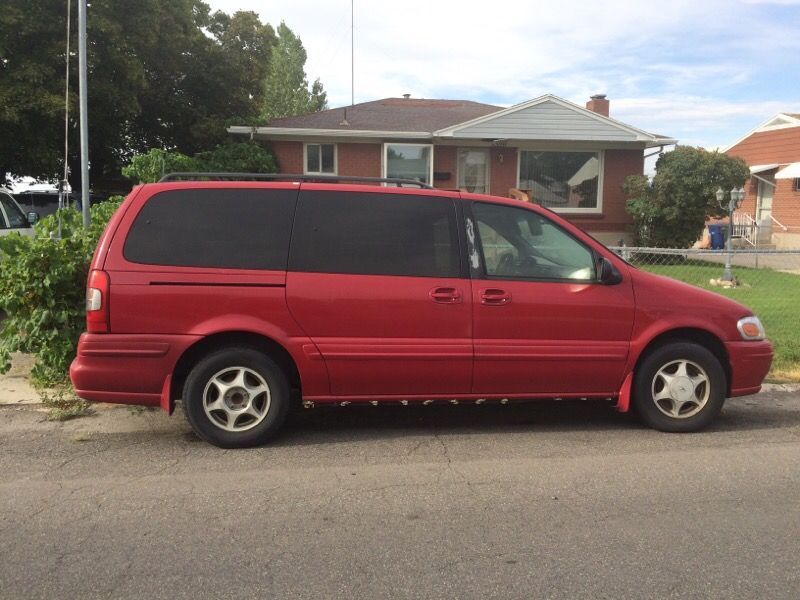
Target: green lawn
772	295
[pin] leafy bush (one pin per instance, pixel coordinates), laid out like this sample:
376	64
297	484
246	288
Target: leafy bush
244	157
154	164
42	291
671	210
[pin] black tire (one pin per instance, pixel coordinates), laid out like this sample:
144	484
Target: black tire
706	399
228	363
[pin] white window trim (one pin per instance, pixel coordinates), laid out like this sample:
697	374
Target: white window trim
335	158
488	151
385	160
584	211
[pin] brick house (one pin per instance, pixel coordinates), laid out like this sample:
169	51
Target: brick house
564	156
772	198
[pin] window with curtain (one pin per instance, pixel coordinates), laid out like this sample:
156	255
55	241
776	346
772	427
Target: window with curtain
561	180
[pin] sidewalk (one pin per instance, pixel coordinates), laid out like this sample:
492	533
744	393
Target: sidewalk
15	387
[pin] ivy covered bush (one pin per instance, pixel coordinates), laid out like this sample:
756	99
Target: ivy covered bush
42	291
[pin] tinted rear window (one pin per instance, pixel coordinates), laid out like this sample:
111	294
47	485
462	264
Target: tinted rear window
223	228
375	234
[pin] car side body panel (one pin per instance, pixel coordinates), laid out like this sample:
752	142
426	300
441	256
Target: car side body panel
367	338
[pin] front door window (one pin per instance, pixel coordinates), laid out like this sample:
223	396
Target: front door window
473	170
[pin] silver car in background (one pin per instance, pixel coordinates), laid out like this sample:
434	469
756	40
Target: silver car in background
12	218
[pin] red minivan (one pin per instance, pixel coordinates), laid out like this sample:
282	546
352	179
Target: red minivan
232	295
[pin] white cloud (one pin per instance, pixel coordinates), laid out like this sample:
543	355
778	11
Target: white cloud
673	67
698	120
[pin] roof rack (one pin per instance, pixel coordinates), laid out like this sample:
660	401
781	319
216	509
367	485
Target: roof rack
194	176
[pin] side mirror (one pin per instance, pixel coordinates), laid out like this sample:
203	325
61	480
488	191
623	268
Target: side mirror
33	217
607	272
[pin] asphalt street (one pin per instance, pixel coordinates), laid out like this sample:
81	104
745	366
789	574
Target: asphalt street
550	499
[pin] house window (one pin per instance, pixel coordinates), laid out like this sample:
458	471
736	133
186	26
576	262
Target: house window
408	161
797	184
562	181
320	159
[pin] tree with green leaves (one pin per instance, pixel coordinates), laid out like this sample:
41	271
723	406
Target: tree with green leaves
671	210
31	87
162	74
241	157
286	90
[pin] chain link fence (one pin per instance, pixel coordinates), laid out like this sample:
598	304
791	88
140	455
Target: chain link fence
767	281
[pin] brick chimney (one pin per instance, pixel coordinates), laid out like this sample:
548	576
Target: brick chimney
599	104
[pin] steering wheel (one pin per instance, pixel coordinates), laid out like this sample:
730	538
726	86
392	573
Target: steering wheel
506	264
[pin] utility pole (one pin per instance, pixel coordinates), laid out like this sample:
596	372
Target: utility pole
84	110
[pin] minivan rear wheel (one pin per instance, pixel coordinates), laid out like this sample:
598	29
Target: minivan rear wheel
236	397
680	387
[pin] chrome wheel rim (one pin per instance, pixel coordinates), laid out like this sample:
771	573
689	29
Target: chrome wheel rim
681	389
236	399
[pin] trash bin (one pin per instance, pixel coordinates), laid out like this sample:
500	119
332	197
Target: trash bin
717	237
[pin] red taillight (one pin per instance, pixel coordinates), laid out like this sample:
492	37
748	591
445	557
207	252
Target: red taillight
97	295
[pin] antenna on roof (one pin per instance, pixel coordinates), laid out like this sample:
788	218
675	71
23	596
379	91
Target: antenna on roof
352	57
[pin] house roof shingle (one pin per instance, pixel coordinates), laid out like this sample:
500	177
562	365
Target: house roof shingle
391	114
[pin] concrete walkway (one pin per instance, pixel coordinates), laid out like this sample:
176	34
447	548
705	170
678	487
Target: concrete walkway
15	386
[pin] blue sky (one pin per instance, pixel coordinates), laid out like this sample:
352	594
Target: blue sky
702	71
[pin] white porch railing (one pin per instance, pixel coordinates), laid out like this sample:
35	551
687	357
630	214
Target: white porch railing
745	227
778	223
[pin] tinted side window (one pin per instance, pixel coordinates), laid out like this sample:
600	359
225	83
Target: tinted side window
223	228
524	244
375	234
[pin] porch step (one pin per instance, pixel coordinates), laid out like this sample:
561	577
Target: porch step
741	243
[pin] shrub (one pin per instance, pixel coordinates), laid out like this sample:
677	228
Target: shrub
154	164
671	211
242	157
42	291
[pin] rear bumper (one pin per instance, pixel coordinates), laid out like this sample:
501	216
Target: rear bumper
126	369
750	363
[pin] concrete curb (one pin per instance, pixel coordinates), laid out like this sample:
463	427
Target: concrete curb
780	387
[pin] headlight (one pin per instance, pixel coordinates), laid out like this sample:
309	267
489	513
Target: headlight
750	328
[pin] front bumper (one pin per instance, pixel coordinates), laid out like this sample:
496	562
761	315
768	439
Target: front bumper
750	363
126	368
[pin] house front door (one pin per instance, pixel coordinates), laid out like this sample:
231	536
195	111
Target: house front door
473	170
764	203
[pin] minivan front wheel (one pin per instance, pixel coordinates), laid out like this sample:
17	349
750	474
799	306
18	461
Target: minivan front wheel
679	387
236	397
